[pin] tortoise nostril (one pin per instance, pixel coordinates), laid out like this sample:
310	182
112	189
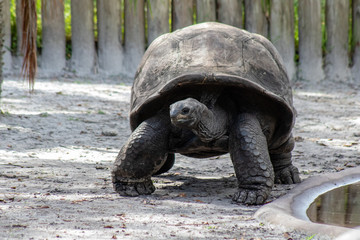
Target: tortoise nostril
185	110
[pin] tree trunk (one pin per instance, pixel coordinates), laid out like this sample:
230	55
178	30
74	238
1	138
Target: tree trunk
182	13
205	10
53	37
82	39
7	58
158	18
230	12
255	17
356	40
337	26
282	32
310	41
110	52
134	34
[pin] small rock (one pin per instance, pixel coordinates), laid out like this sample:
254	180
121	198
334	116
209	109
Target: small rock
350	164
338	169
298	139
109	132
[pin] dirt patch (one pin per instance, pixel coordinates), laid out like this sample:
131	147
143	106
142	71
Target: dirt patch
57	147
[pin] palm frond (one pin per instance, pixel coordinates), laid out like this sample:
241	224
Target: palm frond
28	45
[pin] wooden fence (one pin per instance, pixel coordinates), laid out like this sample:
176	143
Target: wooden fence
126	27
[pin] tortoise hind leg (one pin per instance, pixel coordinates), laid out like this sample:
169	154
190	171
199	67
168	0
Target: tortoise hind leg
142	155
168	164
285	171
249	153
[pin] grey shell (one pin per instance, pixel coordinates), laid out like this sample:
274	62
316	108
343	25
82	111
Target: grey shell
176	65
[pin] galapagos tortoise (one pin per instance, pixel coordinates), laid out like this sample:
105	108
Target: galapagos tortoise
207	90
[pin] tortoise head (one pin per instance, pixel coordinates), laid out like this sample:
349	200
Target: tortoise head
186	113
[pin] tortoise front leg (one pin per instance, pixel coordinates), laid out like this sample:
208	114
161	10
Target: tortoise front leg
249	153
142	155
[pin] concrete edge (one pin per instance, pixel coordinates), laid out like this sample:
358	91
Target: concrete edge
289	211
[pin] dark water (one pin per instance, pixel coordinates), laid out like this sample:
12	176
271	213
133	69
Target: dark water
340	206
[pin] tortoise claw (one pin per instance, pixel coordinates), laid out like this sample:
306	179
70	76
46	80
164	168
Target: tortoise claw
288	175
133	189
250	196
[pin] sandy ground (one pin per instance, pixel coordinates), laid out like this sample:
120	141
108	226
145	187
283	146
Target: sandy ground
57	147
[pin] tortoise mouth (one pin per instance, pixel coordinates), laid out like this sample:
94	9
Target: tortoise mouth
182	121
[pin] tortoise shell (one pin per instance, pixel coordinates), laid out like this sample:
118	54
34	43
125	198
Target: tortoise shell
186	62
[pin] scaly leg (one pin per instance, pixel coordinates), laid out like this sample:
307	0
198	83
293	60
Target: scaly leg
249	153
285	172
142	155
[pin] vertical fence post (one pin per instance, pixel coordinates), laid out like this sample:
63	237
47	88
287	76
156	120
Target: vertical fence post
182	13
310	41
110	54
1	46
230	12
5	18
356	40
255	18
19	21
205	10
282	32
82	36
337	26
53	37
157	18
134	34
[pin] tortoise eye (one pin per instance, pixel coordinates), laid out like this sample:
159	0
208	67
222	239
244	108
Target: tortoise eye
185	110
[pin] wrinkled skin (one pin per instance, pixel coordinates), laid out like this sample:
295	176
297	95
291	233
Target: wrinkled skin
191	128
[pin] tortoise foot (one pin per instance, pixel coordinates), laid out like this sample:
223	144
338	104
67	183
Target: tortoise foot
133	189
287	175
251	196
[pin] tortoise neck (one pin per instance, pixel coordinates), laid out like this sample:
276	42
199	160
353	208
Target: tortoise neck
212	124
